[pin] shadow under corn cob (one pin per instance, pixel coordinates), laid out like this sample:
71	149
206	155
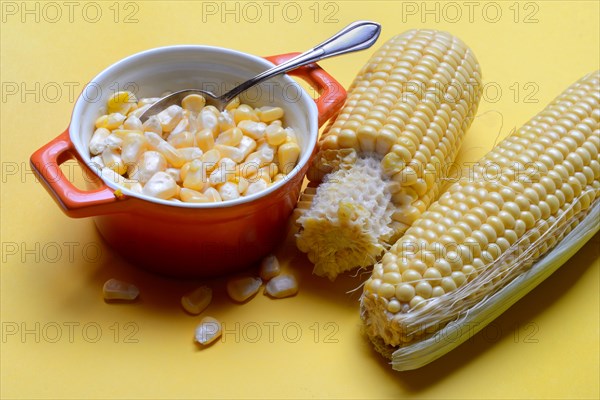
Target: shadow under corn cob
381	161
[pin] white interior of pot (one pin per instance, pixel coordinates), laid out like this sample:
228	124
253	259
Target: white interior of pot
153	72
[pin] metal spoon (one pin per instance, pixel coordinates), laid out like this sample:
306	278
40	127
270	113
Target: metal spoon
357	36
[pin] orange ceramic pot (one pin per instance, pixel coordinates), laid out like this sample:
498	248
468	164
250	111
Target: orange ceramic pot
184	239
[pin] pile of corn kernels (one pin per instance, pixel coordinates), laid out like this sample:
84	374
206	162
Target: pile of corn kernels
192	153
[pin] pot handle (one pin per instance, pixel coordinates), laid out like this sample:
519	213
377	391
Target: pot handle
332	94
74	202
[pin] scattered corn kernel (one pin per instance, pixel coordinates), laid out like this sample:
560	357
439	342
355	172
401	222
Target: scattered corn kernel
115	289
269	268
208	331
282	286
241	289
197	301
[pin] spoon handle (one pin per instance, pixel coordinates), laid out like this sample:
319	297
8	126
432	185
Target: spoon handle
357	36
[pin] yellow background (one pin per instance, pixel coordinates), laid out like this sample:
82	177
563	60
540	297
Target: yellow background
546	346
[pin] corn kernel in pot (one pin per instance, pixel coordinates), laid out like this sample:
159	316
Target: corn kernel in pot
162	186
192	152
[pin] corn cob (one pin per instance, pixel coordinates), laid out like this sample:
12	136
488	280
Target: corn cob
379	161
518	201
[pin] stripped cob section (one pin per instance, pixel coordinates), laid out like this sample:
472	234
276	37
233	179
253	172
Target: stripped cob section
519	200
379	162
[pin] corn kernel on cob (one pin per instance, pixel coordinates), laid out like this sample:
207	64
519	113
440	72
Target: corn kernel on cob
381	158
521	199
